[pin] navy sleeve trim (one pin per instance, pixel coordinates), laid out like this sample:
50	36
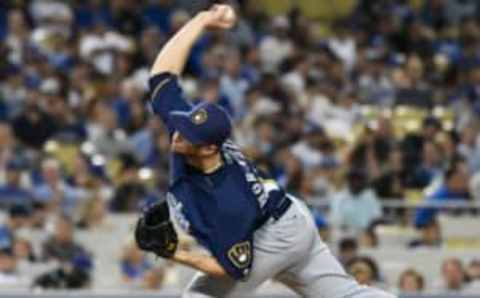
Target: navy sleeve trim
166	95
157	81
159	86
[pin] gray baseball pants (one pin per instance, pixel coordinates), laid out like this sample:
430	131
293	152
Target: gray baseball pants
290	251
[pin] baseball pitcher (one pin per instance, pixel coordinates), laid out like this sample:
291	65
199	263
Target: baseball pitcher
253	230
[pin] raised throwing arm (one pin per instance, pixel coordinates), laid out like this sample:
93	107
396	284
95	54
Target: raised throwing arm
174	54
166	92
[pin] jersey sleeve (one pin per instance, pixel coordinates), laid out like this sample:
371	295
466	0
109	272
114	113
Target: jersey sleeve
232	238
234	250
166	95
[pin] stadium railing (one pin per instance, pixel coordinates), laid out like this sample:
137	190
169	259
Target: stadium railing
402	204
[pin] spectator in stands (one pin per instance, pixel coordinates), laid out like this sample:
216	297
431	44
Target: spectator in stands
454	278
343	44
56	107
468	146
39	215
94	214
61	245
210	91
364	270
10	150
153	279
12	192
347	250
317	183
295	79
369	237
23	250
431	165
89	174
321	223
356	206
473	270
130	191
18	217
412	87
411	282
392	182
343	114
157	159
33	127
71	274
453	189
275	47
314	149
55	191
264	134
290	173
232	84
13	91
373	150
104	132
134	264
430	236
17	36
9	278
412	142
448	142
375	83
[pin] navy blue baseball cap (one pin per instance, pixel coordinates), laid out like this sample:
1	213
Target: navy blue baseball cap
205	124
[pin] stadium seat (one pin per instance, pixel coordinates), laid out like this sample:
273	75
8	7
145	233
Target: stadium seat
394	236
460	232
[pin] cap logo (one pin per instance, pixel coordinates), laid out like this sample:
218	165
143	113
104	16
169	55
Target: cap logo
199	117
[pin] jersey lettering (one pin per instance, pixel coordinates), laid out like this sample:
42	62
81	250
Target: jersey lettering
251	175
177	210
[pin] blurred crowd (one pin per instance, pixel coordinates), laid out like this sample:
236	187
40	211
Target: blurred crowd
456	276
381	105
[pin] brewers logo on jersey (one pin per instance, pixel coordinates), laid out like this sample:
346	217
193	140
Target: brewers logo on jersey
240	254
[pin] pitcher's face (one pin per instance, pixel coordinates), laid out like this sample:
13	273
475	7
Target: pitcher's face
182	146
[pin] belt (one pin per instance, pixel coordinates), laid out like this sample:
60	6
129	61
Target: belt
281	208
277	212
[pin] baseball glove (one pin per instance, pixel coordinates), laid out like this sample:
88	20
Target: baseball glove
154	231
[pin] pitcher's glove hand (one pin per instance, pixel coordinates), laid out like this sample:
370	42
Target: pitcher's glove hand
154	231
